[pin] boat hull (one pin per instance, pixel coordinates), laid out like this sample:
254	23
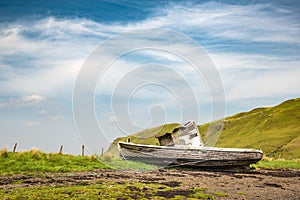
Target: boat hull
189	157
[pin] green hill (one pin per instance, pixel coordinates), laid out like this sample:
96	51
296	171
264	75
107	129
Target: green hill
275	130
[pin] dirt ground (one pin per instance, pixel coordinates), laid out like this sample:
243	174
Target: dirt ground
253	184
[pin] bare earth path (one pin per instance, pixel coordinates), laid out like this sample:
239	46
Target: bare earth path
256	184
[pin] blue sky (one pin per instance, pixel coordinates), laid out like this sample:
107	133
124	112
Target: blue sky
254	45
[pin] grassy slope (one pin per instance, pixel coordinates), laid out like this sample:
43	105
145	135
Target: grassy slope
275	130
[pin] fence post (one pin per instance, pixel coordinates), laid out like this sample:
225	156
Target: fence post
60	149
82	150
15	147
102	151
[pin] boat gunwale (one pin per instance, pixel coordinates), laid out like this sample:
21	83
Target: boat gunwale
241	150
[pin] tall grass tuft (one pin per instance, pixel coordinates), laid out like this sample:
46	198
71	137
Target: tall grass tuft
93	157
35	153
4	152
107	157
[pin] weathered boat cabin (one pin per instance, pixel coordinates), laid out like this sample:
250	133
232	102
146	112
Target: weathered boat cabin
166	140
184	135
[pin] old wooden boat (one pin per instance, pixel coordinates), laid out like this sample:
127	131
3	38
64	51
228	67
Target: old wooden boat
184	147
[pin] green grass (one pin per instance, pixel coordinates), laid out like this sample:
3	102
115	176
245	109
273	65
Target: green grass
275	130
119	164
200	189
277	164
220	194
37	161
199	195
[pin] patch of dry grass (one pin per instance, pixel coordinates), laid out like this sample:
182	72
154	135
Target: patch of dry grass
107	157
35	153
3	152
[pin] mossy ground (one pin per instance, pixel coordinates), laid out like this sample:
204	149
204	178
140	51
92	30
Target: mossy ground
157	184
108	190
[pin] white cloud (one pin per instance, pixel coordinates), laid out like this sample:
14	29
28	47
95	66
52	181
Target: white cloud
254	62
4	104
161	55
32	123
57	118
42	112
32	99
260	22
52	80
257	76
22	100
265	85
